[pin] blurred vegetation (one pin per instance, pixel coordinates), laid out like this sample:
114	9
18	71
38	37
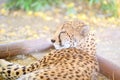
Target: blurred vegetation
27	5
106	6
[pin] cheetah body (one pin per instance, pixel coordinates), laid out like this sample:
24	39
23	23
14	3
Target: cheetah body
73	59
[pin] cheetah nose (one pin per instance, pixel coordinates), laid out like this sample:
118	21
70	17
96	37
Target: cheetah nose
52	40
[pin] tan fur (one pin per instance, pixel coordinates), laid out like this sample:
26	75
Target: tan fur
74	58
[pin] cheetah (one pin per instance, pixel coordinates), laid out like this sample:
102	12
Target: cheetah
73	59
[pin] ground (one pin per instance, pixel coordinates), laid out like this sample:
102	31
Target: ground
19	25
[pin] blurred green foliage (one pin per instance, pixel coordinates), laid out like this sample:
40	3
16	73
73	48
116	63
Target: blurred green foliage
106	6
27	5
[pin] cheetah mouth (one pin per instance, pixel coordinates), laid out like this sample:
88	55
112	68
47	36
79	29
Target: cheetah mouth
61	45
58	46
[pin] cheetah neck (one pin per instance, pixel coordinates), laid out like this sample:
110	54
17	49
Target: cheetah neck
88	44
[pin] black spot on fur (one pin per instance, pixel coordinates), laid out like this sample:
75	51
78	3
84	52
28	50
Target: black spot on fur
28	69
48	78
10	65
24	72
17	73
8	71
16	69
41	77
55	78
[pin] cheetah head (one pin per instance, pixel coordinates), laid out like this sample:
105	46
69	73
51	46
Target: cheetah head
69	34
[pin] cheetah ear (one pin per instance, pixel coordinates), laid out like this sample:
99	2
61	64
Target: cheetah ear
85	31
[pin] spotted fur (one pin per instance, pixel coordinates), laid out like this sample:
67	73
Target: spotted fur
73	59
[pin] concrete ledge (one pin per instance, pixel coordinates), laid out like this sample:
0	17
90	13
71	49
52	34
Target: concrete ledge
108	51
108	68
24	47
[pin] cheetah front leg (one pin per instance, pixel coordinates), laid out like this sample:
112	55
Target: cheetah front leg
13	71
8	68
4	63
